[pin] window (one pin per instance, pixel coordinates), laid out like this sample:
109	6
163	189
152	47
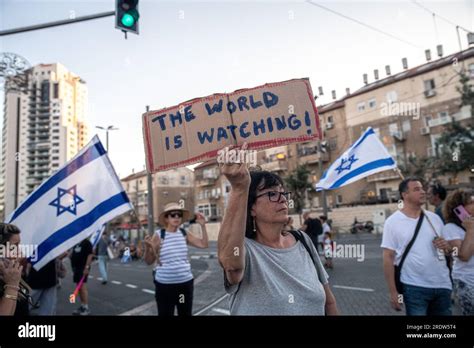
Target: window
372	103
443	114
339	199
429	85
183	180
393	128
361	106
471	71
392	97
330	119
427	120
56	90
406	126
164	180
55	158
333	144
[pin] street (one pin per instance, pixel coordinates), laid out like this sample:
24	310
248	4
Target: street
359	287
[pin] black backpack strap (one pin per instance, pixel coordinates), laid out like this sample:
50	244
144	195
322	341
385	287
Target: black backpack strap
183	231
299	237
412	241
162	234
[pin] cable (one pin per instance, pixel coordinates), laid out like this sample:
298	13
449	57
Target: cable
443	18
363	24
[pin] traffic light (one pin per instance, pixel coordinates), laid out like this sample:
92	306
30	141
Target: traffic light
127	15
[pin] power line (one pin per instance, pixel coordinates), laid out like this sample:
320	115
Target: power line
363	24
441	17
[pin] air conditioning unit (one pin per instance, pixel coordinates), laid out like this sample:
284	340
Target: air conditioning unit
430	93
329	125
425	130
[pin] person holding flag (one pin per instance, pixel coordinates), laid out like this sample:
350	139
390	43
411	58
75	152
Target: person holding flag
81	260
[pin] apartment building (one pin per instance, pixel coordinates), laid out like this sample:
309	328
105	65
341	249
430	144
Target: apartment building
176	185
42	129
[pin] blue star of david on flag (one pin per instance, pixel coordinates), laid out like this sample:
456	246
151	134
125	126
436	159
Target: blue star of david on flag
348	166
72	204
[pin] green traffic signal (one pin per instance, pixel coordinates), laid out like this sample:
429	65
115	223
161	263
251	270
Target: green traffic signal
128	20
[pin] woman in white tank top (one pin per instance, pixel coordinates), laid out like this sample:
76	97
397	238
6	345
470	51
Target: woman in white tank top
174	283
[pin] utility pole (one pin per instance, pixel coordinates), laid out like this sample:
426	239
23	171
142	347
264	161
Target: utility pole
151	223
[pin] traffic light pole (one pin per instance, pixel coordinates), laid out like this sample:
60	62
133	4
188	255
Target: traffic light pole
56	24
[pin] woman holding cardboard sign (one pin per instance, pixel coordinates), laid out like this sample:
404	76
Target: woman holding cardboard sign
267	270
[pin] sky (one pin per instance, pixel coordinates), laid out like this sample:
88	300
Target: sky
189	49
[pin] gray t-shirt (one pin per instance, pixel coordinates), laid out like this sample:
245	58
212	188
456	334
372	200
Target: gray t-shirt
102	247
279	281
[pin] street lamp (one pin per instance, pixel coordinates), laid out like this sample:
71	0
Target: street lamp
109	128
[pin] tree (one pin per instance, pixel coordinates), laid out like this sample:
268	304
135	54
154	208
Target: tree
455	147
297	182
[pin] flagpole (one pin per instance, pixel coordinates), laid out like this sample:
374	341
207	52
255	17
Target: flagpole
151	224
399	173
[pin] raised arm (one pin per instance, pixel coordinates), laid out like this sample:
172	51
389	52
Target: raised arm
230	243
202	242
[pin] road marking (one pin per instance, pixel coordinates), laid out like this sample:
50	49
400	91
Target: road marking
148	291
131	286
353	288
91	277
147	308
116	282
203	276
222	311
195	257
211	305
100	279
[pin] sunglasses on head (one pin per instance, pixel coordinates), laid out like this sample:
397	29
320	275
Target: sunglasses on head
175	215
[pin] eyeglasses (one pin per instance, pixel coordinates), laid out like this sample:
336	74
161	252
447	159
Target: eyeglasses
275	196
175	215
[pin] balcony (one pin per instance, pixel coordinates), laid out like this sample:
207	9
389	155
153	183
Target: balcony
204	182
386	175
313	158
275	166
439	121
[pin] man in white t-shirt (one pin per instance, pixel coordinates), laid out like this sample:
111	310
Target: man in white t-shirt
326	228
424	275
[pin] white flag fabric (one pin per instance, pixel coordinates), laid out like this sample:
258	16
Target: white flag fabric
94	239
365	157
72	204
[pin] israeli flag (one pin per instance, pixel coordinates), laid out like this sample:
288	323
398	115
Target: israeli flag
94	239
72	204
365	157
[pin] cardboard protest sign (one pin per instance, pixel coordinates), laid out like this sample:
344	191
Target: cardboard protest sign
270	115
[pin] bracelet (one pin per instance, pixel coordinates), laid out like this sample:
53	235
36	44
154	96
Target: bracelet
11	297
17	288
